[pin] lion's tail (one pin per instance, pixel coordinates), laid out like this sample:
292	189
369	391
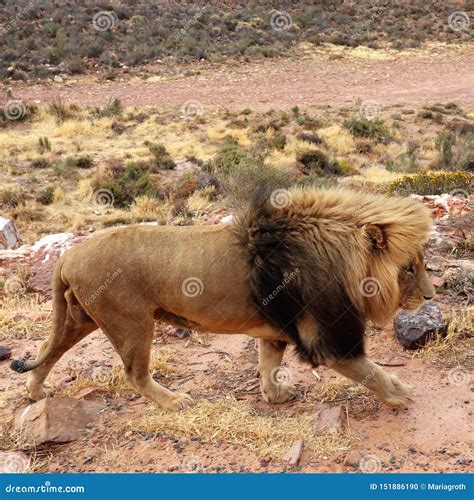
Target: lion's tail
59	316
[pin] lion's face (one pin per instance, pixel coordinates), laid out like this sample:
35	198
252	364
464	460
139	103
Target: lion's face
415	285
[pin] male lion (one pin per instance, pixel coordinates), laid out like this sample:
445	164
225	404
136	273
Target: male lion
309	271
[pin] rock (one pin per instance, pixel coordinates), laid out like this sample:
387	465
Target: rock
90	393
5	353
329	418
58	79
9	236
293	455
45	253
353	458
182	333
56	420
414	330
13	462
438	281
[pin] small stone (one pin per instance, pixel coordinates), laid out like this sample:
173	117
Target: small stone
353	458
58	79
413	330
5	353
329	418
293	455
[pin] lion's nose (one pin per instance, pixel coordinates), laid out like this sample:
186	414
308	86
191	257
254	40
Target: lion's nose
427	297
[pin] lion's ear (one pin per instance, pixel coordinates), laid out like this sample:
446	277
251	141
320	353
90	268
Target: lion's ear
376	236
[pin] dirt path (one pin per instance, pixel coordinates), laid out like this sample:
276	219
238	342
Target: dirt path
284	83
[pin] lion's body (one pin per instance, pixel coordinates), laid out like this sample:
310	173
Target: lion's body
155	266
285	275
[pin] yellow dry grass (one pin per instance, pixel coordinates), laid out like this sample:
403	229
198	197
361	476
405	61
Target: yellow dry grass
239	423
338	138
14	441
23	316
340	390
113	381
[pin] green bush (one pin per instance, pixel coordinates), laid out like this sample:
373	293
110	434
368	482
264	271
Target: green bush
79	162
40	162
363	127
430	183
161	158
46	196
128	183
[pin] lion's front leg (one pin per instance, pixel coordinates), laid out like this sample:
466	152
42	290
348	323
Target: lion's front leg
385	386
274	379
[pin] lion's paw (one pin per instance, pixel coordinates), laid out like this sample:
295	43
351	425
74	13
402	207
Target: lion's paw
179	401
278	393
37	392
397	394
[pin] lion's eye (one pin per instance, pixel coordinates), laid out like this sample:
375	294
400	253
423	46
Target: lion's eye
410	269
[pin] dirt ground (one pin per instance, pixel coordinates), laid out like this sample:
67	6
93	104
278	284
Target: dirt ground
432	435
442	75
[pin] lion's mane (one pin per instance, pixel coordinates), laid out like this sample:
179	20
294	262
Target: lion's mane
320	244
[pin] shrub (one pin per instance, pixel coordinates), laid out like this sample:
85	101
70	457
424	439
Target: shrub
315	162
60	110
309	137
76	65
40	162
43	145
444	144
430	183
363	127
46	196
127	183
112	108
161	158
79	162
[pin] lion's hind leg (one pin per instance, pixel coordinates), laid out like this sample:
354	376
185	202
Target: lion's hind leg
387	387
71	325
132	339
274	380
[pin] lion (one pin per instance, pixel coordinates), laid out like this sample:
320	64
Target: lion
309	270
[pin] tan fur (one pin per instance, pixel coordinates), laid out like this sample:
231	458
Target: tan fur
125	279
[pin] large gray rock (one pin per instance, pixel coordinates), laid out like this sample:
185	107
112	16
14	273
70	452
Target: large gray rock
414	330
9	236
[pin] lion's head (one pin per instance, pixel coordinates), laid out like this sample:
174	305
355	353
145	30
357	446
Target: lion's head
414	284
359	257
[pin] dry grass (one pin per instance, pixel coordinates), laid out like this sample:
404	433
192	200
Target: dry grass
341	391
23	316
14	441
112	381
456	349
239	423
